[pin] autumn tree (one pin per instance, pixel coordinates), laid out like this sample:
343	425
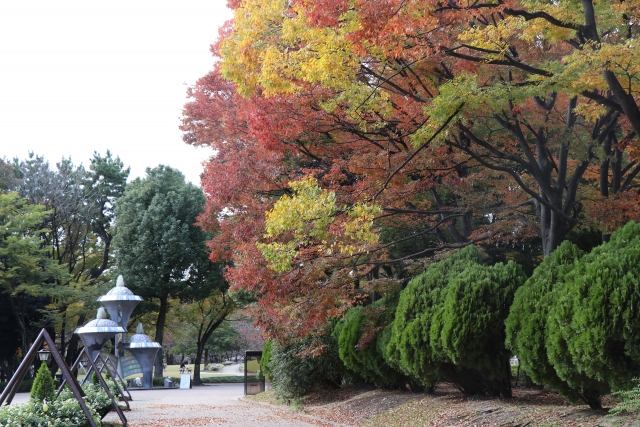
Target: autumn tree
468	87
264	147
8	179
442	124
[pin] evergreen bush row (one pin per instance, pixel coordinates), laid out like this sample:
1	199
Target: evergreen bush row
574	325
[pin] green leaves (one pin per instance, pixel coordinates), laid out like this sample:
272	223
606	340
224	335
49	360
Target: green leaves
159	246
574	325
449	320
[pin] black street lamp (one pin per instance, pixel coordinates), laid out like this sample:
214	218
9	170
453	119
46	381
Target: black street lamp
43	355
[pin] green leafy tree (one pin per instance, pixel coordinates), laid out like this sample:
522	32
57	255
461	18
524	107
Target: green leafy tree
203	317
43	387
161	251
26	272
78	232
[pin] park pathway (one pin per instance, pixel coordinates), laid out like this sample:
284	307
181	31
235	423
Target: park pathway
210	405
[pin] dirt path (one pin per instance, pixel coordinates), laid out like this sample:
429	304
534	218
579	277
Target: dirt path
213	405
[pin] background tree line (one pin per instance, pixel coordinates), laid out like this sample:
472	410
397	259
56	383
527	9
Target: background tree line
59	250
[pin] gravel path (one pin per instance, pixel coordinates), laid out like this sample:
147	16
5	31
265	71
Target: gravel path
212	405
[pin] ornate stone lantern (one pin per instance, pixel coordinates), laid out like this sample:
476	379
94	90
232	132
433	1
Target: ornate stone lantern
145	350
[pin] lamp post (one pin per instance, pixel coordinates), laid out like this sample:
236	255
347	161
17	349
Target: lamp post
144	350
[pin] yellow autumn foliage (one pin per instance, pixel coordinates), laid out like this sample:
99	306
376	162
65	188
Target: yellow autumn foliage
305	216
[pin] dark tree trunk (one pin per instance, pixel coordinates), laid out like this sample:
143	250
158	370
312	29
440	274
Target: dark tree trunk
162	317
196	366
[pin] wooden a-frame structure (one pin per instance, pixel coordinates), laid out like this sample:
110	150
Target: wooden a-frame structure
104	365
12	387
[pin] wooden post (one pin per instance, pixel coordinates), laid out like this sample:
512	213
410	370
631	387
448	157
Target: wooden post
104	363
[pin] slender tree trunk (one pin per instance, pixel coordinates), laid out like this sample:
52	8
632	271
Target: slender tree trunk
72	348
18	314
196	366
162	317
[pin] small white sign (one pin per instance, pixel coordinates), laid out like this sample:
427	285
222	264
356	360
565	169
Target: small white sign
185	381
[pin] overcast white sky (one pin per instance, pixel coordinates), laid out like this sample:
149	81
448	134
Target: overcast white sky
78	76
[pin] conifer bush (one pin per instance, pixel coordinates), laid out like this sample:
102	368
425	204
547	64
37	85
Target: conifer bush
527	325
265	359
43	387
449	324
358	348
594	324
575	325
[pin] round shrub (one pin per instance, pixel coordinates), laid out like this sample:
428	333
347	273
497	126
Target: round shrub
576	324
527	326
408	341
593	330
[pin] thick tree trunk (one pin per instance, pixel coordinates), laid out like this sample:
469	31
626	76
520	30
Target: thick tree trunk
18	314
162	317
553	229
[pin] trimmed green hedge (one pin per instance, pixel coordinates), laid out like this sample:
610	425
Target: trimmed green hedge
223	379
220	379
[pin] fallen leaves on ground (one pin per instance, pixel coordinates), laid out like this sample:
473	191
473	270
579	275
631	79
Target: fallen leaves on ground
447	407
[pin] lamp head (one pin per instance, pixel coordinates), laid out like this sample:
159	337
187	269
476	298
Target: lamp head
43	355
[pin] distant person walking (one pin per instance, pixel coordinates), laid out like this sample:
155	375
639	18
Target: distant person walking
182	367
